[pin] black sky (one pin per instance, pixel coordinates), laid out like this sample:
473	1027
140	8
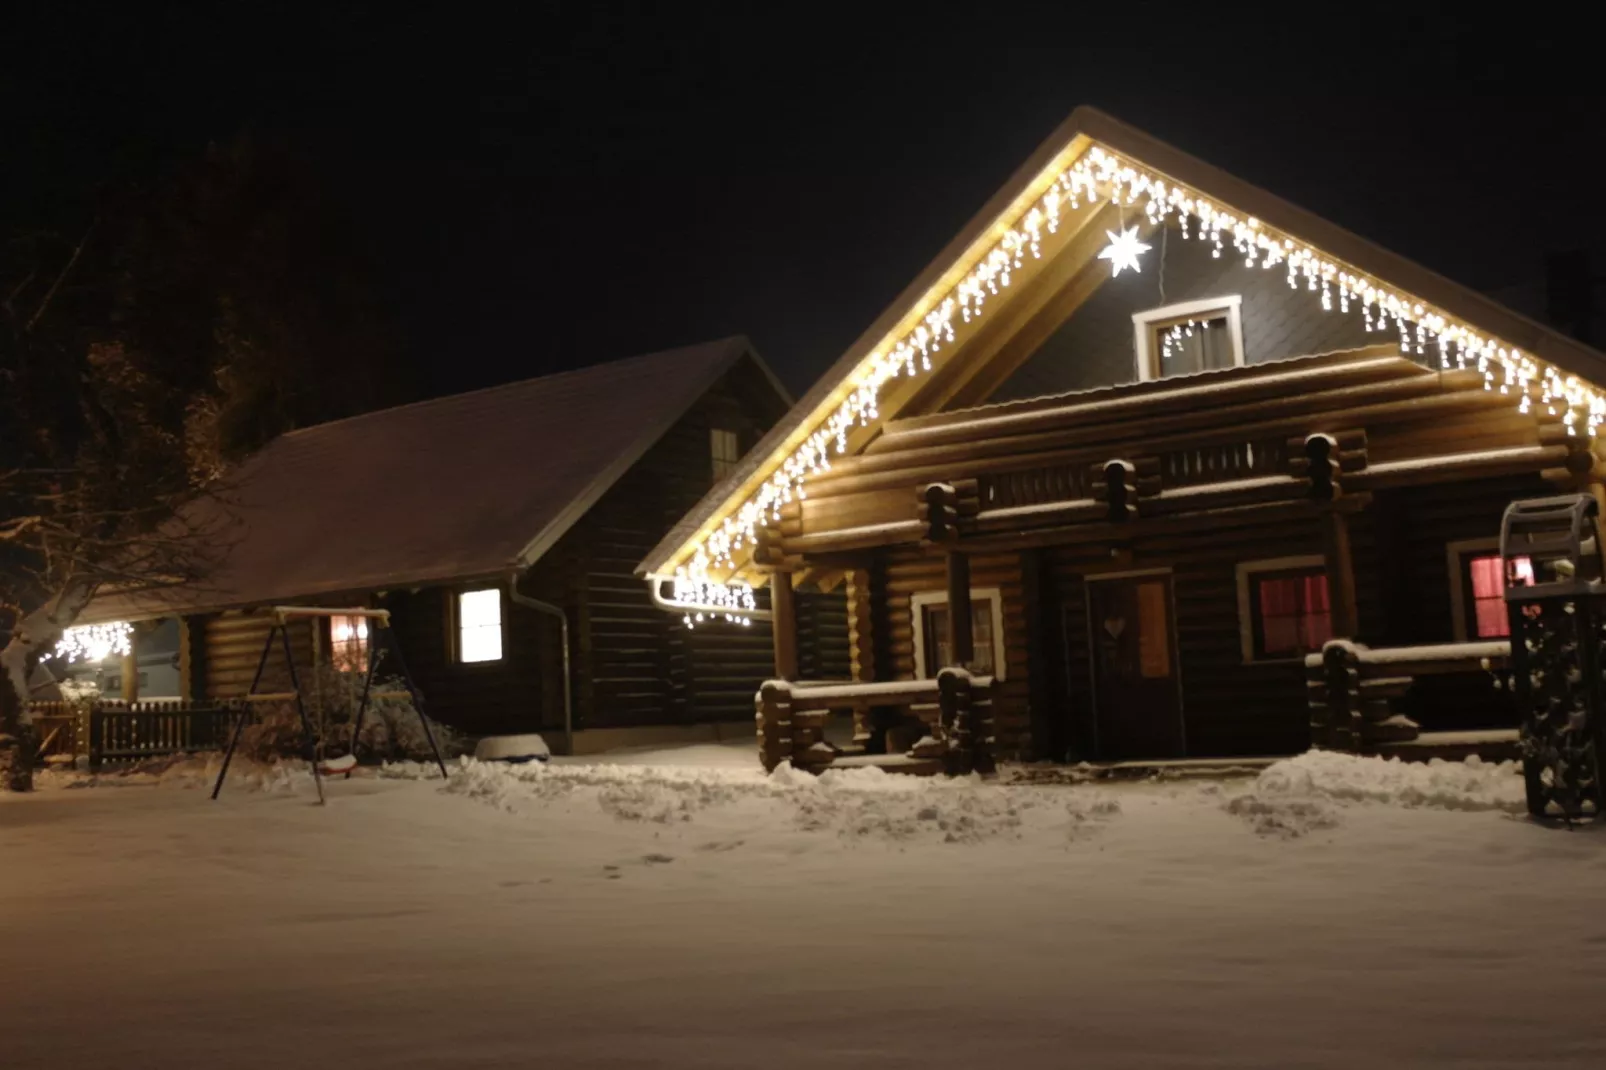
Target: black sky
580	182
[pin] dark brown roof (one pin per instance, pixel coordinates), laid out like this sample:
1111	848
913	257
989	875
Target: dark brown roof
468	486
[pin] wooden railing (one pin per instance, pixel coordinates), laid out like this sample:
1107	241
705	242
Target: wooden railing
1223	462
956	708
116	732
1033	486
1349	687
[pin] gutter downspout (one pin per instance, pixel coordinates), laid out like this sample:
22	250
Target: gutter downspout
551	610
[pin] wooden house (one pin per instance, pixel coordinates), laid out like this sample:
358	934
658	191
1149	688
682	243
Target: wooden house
501	528
1137	444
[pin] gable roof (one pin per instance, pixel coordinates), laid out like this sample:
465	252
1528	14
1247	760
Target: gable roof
468	486
972	275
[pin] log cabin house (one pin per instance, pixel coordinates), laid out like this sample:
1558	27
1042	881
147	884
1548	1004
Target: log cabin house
501	528
1137	444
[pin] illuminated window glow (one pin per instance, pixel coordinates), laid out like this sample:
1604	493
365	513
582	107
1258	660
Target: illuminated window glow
348	643
479	625
1292	614
1487	581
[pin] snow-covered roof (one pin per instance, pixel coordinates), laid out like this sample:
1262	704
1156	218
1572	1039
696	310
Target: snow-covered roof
1008	218
468	486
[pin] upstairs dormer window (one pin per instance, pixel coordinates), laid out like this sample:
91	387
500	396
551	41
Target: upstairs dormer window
1189	338
725	449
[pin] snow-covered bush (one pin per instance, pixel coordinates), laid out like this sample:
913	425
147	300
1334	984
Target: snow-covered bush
391	728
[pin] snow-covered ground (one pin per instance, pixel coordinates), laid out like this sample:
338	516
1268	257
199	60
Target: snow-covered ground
685	910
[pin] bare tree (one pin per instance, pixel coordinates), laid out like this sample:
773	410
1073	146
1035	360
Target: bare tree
196	320
96	474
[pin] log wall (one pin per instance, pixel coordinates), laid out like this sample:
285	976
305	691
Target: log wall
232	646
904	572
1221	474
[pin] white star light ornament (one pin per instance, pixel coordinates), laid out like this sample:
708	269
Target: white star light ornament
1123	250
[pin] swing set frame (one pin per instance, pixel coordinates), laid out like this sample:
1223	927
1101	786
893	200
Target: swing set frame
282	616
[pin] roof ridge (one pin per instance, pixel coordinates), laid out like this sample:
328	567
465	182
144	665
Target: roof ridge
549	377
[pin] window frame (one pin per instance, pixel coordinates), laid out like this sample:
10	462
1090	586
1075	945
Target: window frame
917	619
1147	323
455	622
1462	602
722	467
1246	573
364	639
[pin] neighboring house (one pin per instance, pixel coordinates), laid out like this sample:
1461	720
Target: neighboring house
1166	434
455	513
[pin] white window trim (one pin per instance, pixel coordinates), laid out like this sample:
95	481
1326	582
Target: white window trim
1143	329
1246	616
1453	553
918	603
457	625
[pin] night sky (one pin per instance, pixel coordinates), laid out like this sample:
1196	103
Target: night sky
578	184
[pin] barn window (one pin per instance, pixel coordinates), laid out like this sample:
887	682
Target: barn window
479	625
348	643
932	651
1188	338
1283	607
725	448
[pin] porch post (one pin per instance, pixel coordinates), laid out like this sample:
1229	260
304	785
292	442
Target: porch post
783	629
961	639
1340	574
130	665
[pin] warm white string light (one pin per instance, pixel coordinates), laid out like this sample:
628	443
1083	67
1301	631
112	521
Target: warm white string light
95	642
705	598
1096	176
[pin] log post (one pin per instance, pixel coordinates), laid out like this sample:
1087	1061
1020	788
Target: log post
953	698
961	635
1340	574
774	723
783	629
130	667
1336	716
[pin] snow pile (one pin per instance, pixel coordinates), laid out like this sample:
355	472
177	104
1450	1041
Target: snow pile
852	804
1306	793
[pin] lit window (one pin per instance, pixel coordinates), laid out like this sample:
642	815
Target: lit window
932	649
348	643
479	625
1484	591
1185	339
1291	614
725	447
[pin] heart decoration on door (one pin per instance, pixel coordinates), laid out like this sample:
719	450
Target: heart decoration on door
1115	626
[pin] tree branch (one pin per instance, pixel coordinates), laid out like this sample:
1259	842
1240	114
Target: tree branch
66	270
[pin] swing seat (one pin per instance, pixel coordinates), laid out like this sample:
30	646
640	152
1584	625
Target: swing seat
341	766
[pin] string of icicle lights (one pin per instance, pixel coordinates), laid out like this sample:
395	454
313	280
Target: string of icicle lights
1100	176
95	642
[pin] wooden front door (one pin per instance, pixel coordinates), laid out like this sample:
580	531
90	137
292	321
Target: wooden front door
1136	698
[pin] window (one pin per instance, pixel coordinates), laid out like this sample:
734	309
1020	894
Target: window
1478	588
726	449
479	625
1283	607
930	610
1188	338
348	643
